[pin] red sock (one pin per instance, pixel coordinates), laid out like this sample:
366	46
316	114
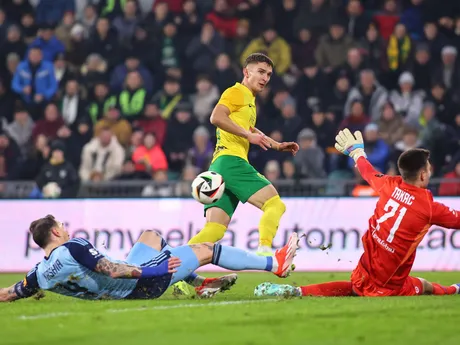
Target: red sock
332	289
443	290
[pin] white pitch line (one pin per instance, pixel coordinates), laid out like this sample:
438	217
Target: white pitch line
159	307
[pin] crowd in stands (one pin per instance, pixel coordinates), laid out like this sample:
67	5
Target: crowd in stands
100	90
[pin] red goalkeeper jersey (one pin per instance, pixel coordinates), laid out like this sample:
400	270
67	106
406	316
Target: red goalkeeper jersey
401	219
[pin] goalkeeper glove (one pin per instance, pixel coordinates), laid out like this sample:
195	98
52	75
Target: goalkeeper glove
349	144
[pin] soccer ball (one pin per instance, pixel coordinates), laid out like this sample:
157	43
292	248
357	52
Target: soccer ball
208	187
51	190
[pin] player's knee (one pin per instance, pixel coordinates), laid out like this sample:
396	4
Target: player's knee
204	252
152	238
275	204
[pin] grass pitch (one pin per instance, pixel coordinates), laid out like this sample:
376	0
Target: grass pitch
236	318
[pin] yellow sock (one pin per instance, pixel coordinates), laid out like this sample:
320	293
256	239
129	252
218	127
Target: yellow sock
212	232
273	211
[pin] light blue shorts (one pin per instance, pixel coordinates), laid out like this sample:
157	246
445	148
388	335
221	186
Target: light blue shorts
141	254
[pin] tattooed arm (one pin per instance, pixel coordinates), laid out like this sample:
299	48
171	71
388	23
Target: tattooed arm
8	294
117	270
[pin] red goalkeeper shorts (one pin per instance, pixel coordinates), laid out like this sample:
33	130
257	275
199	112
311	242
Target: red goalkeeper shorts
364	286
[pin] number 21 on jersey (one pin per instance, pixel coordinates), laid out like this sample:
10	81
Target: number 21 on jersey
391	207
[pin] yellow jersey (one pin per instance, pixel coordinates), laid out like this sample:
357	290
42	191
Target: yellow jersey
241	103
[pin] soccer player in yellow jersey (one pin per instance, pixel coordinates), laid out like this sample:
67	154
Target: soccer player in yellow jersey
235	119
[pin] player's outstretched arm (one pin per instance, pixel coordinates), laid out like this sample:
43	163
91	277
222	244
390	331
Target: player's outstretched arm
352	145
125	271
8	294
220	118
283	147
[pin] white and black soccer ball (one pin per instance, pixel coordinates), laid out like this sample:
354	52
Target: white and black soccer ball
51	190
208	187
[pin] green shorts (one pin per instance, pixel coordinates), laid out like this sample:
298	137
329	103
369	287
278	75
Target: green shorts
241	182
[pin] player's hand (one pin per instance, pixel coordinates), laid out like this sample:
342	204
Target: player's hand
259	139
349	144
289	147
173	263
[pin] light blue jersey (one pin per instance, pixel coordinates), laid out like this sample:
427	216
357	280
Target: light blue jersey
70	271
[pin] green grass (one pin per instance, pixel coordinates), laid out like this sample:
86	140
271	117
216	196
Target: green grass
390	321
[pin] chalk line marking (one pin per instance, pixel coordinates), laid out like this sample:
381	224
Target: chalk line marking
159	307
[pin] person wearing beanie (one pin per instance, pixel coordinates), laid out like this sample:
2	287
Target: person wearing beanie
406	101
309	161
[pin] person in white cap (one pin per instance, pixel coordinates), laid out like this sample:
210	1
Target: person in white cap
406	101
448	72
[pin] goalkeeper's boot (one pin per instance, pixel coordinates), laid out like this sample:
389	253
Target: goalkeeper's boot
211	286
457	287
285	256
264	251
269	289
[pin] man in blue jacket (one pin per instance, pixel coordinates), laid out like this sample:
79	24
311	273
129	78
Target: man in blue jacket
34	79
48	43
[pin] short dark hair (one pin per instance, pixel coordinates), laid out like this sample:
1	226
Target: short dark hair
411	162
258	57
41	230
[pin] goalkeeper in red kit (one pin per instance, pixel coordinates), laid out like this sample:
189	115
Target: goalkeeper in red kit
404	212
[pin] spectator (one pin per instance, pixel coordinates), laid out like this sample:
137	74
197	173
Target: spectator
309	161
77	53
399	51
387	19
114	8
409	141
353	66
373	46
102	158
431	132
7	75
133	97
290	123
188	175
47	42
94	71
200	155
60	171
442	100
357	21
435	41
152	122
99	102
63	72
412	18
451	188
72	106
89	20
391	125
303	48
120	73
190	21
161	188
224	74
143	47
63	31
181	125
157	19
129	172
34	79
20	130
15	9
356	120
35	159
12	44
126	24
9	156
276	48
370	92
448	72
333	47
7	104
169	49
150	157
50	124
104	42
286	12
204	99
288	170
377	150
316	13
337	98
222	19
406	101
242	38
204	49
135	142
28	26
324	129
51	11
168	98
272	171
421	68
118	126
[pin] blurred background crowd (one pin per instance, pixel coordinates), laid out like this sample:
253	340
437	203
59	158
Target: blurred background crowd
106	90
